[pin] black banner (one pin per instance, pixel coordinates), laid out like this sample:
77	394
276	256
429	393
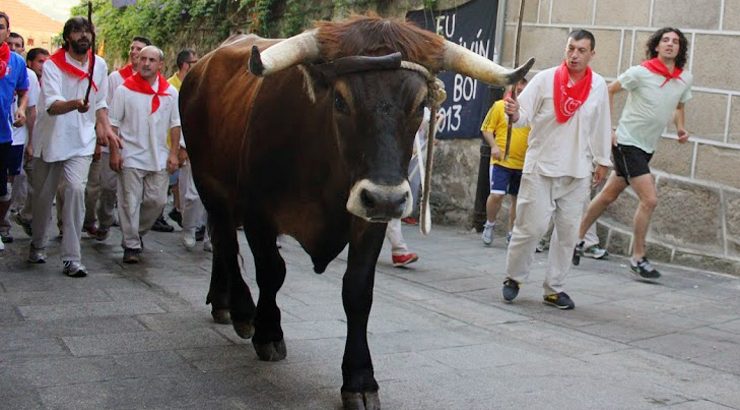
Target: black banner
473	26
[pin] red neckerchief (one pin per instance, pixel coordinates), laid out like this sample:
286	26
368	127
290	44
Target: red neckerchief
566	99
137	83
4	59
657	67
60	61
126	71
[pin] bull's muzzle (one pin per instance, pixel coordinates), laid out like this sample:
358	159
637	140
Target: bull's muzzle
380	203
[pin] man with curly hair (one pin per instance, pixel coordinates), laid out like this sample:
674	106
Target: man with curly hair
658	89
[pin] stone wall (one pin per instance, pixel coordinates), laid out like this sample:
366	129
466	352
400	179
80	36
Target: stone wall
697	222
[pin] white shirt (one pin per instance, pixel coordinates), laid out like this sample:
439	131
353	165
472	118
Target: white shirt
570	148
60	137
144	134
649	106
20	134
114	81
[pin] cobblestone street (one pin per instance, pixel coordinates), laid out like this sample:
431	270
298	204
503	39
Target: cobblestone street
141	336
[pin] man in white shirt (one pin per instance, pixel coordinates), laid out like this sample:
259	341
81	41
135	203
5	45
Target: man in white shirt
102	183
65	139
144	108
658	89
567	108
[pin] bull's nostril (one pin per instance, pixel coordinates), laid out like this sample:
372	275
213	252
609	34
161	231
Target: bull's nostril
367	199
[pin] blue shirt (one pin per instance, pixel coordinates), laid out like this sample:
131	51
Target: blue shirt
16	79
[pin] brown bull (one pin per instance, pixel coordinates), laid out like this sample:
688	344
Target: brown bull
315	145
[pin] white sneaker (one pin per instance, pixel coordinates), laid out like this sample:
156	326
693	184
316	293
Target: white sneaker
487	233
188	241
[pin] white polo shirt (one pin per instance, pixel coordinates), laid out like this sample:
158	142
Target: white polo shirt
20	134
144	134
61	137
570	148
649	106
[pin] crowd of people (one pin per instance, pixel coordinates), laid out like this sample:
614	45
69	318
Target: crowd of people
107	149
103	147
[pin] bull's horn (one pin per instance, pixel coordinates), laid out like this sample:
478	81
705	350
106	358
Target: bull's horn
292	51
461	60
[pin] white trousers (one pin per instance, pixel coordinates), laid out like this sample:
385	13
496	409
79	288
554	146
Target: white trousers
142	196
540	199
395	236
193	213
100	194
46	178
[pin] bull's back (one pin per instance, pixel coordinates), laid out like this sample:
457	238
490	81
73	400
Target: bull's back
216	102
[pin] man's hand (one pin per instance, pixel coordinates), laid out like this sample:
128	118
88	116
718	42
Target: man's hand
116	161
511	108
20	118
97	153
496	153
82	107
683	136
172	162
28	151
182	156
599	174
614	138
107	137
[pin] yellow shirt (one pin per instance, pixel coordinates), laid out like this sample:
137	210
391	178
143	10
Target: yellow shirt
496	123
175	82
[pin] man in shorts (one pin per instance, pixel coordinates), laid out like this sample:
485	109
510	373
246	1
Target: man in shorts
505	173
658	89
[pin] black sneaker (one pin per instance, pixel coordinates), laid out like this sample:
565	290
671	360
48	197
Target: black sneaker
161	225
578	252
176	216
131	255
643	270
200	233
510	289
559	300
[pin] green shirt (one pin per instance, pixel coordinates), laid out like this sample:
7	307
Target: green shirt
649	106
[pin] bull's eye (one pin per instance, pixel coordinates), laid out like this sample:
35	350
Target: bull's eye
340	104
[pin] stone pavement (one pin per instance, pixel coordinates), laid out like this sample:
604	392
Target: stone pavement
441	338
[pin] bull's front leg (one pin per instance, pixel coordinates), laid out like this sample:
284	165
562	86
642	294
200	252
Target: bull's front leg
359	388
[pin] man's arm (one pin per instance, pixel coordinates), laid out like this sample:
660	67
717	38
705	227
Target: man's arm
106	135
20	113
116	160
172	160
30	121
679	116
614	88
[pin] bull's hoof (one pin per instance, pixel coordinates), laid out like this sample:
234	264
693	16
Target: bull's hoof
245	330
221	316
361	401
271	351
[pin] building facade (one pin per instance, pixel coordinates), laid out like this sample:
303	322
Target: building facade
697	222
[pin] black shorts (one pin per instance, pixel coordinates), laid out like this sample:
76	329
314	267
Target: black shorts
630	162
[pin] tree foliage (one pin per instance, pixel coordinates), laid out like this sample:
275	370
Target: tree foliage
203	24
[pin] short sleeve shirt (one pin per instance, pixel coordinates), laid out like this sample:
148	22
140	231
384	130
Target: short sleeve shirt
20	134
496	122
16	79
649	106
